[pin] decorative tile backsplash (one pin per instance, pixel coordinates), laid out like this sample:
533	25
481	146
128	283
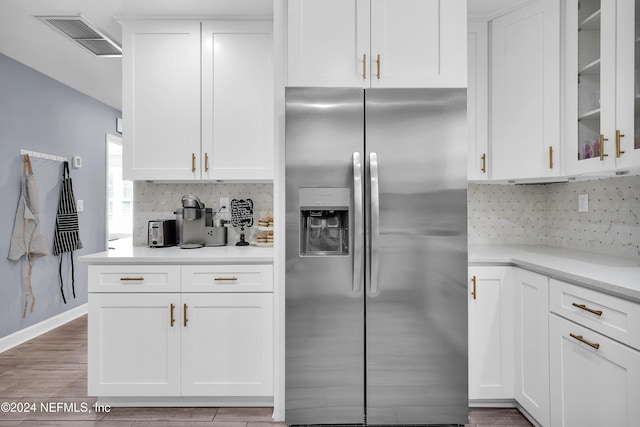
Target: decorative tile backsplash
509	214
158	200
548	214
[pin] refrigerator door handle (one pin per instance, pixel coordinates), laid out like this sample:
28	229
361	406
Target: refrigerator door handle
375	223
358	220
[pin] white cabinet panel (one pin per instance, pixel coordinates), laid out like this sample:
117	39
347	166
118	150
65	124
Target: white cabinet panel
189	343
161	99
134	347
591	386
420	43
491	333
601	63
377	43
525	111
237	100
228	345
614	317
327	43
134	278
227	278
531	350
477	100
198	100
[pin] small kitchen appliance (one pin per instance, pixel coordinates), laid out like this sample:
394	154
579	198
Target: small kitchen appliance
161	233
190	220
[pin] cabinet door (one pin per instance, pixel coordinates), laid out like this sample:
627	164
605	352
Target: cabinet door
227	345
237	100
419	43
161	100
328	43
531	350
491	333
591	386
134	346
591	85
526	92
626	147
477	100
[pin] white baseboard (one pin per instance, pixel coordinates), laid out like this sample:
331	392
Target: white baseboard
33	331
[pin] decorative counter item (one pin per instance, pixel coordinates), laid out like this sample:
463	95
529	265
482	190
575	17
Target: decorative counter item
264	236
241	217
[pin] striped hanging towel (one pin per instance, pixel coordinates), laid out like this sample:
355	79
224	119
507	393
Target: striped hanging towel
67	234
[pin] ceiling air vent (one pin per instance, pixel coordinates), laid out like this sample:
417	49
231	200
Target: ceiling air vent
83	32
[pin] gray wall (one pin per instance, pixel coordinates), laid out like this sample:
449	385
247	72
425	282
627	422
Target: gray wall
40	114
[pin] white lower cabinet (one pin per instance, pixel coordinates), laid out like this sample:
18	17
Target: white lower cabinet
133	348
214	344
227	345
591	386
531	339
594	358
490	333
568	355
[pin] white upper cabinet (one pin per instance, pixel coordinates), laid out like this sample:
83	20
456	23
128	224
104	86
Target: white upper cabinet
161	99
328	40
525	82
477	101
198	100
237	100
602	66
377	43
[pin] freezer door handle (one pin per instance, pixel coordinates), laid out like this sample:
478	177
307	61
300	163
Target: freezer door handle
375	223
358	220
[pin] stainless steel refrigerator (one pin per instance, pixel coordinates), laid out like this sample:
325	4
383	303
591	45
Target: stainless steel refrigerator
376	248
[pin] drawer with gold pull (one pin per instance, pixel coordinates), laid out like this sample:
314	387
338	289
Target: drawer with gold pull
612	316
134	278
227	278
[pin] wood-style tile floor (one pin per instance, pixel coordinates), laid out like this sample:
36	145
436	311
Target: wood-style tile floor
52	370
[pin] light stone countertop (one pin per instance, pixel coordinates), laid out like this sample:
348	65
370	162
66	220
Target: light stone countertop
610	274
128	254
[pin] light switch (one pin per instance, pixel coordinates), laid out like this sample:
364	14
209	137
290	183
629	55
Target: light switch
80	205
583	203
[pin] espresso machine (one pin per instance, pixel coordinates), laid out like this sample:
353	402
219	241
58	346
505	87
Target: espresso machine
190	223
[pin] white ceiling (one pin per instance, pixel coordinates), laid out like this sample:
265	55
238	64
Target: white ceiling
26	39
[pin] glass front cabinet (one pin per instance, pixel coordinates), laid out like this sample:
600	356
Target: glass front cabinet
603	86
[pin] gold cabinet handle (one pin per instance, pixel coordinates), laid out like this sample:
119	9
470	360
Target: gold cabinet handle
484	162
225	278
172	318
585	308
131	279
184	316
602	140
474	280
550	157
206	162
364	66
582	340
378	62
193	162
618	136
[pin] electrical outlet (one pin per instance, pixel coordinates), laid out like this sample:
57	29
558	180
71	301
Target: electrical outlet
583	203
224	201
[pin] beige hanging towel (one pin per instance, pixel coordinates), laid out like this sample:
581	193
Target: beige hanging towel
27	239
